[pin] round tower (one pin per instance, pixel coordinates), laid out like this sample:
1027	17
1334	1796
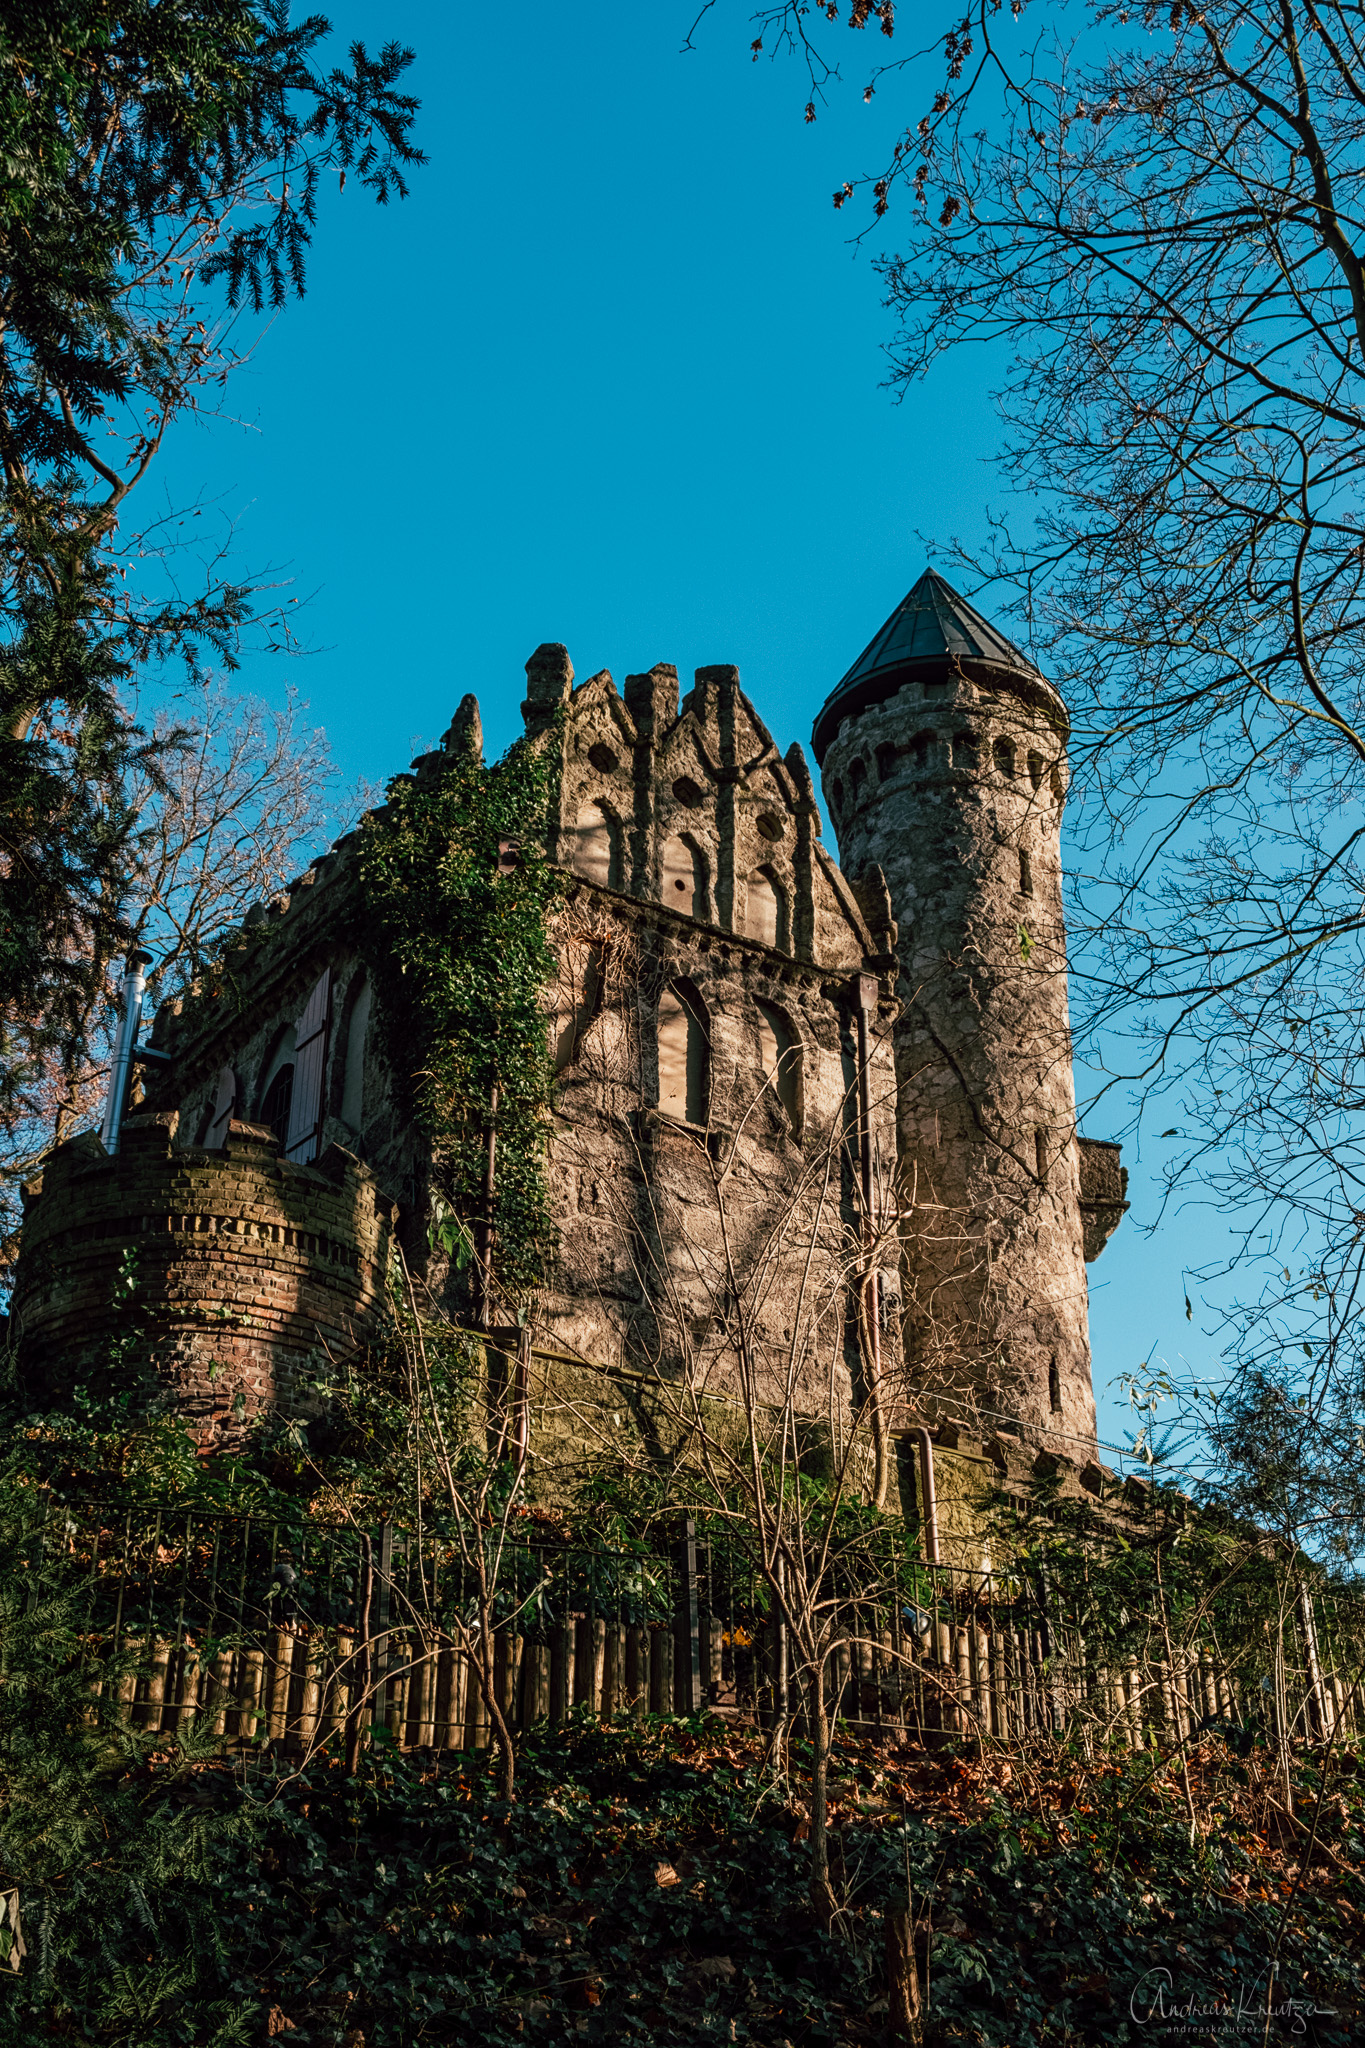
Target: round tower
943	757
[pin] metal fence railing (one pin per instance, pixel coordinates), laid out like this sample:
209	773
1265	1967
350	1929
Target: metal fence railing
295	1634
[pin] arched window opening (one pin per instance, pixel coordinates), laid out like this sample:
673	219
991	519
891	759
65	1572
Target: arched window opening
857	779
353	1080
268	1095
887	756
582	980
278	1100
780	1053
765	916
1055	779
1025	873
922	747
1004	758
1054	1385
1035	769
966	750
684	1054
1040	1153
685	877
836	790
597	846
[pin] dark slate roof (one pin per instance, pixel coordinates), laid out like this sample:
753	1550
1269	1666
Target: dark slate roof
930	623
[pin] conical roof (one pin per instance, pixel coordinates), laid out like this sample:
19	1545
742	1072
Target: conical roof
930	624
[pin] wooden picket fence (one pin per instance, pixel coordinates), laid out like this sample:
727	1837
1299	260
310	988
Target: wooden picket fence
255	1632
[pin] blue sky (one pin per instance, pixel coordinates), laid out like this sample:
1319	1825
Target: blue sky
613	375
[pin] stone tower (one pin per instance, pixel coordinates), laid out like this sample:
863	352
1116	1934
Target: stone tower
943	755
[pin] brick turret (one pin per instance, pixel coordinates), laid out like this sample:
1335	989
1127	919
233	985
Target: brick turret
235	1273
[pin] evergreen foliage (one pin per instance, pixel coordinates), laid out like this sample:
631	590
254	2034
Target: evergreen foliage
156	160
652	1887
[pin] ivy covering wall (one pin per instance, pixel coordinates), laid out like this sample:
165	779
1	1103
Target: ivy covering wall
458	892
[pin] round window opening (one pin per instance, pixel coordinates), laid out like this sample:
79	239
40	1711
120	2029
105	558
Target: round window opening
687	792
602	759
769	826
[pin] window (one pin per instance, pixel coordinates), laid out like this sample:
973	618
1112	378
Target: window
765	915
222	1110
836	790
353	1081
1040	1153
310	1059
1025	873
597	846
1054	1385
578	1001
684	1054
922	747
966	752
1035	769
685	877
780	1054
281	1057
1004	758
857	779
278	1101
887	756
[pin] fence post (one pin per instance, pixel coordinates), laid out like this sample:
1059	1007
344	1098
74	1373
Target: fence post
688	1676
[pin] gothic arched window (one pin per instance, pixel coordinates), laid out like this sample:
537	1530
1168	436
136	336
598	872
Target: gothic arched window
780	1052
684	1054
765	914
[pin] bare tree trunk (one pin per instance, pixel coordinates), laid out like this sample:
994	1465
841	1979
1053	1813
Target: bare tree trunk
904	2020
821	1891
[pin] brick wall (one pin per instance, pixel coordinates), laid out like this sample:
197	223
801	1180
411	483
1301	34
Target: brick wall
247	1272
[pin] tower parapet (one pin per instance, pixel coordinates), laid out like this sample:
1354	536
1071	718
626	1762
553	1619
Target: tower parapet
943	757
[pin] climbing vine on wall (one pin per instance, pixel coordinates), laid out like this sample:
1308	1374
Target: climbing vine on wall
458	893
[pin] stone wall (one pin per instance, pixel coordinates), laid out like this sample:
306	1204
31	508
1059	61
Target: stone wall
233	1275
951	788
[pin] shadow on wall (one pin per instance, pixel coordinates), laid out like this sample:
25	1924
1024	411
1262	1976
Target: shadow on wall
240	1273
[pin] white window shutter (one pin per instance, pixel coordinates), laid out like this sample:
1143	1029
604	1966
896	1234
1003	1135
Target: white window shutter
224	1108
310	1056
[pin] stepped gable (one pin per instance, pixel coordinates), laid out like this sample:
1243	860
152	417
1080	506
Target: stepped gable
236	1274
691	805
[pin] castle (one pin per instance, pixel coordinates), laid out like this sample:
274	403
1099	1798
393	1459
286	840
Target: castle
726	989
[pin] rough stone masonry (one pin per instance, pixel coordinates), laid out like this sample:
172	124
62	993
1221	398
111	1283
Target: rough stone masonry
721	979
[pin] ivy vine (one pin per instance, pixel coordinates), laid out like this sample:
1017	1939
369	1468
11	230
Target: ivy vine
458	895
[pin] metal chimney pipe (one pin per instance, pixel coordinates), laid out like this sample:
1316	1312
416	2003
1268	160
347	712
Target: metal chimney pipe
120	1074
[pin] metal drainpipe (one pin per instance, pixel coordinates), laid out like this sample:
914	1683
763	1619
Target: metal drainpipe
929	1504
870	1287
134	986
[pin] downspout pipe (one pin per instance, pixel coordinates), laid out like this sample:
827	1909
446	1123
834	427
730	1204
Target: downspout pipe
928	1498
121	1072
